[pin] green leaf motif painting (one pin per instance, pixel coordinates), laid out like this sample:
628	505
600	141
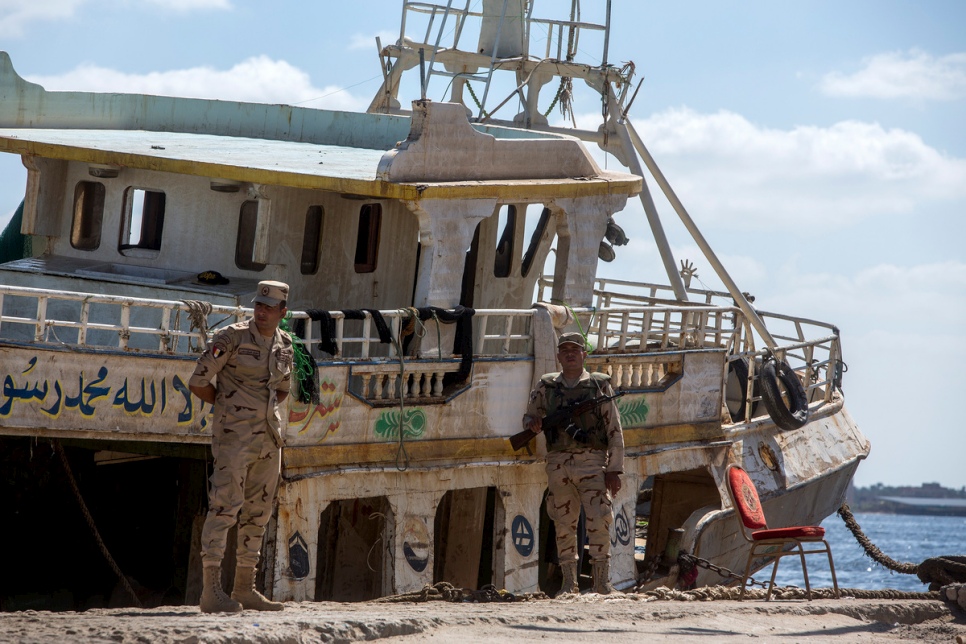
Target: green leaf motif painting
413	424
633	411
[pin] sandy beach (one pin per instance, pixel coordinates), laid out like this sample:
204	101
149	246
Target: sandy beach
621	617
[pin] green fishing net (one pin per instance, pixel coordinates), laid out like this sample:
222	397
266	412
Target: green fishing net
305	370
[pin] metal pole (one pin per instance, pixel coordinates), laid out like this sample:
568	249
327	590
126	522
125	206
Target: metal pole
739	298
422	74
653	219
606	36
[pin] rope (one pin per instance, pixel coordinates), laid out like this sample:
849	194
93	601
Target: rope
935	571
870	548
198	312
90	523
941	571
402	456
477	101
447	592
725	593
553	103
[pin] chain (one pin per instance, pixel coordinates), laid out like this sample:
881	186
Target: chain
721	570
649	571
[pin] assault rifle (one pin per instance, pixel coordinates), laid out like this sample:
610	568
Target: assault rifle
563	419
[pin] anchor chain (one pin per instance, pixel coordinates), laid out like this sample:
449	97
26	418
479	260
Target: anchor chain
691	560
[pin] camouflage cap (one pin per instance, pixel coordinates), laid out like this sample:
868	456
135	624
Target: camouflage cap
271	293
572	338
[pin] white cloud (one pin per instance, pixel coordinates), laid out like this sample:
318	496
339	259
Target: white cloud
729	169
912	74
16	14
259	79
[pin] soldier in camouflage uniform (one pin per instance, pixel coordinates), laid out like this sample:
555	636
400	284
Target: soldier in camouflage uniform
253	361
584	473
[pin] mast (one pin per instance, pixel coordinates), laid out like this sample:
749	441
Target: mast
507	31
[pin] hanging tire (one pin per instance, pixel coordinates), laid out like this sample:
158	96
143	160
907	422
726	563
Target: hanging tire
783	395
736	390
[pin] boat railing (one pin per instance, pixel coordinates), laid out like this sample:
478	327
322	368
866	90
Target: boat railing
559	32
146	325
623	329
812	348
510	37
108	321
496	332
627	335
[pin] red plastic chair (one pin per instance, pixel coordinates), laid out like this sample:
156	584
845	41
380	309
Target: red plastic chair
771	543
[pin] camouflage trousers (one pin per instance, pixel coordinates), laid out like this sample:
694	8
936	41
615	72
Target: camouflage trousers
243	487
576	479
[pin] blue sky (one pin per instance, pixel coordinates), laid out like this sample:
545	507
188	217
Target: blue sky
820	146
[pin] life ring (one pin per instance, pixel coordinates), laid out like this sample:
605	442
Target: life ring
783	394
736	391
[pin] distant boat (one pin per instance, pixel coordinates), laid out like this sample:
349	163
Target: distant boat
414	241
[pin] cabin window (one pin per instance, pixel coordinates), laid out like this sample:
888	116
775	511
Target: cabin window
85	229
534	245
245	243
367	242
503	260
312	240
142	222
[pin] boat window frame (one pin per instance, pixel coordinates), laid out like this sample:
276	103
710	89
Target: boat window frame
87	223
367	238
312	240
245	237
148	223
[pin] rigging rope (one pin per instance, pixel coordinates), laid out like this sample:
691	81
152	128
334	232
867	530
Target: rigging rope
198	312
90	523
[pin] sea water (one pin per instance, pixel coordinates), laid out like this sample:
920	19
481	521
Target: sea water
903	537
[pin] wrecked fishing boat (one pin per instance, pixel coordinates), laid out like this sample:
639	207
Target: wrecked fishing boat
434	252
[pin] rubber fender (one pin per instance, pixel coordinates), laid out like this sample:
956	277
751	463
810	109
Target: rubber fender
783	394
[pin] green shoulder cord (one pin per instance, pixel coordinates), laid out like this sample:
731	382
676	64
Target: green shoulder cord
579	326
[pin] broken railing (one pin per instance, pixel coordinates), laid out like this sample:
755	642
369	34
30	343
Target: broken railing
628	329
630	315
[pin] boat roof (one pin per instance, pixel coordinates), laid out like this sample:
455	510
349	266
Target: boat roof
344	169
368	155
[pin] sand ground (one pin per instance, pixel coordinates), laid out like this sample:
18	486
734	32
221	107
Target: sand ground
622	618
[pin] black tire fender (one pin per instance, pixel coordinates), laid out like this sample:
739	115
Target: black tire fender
736	390
773	378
